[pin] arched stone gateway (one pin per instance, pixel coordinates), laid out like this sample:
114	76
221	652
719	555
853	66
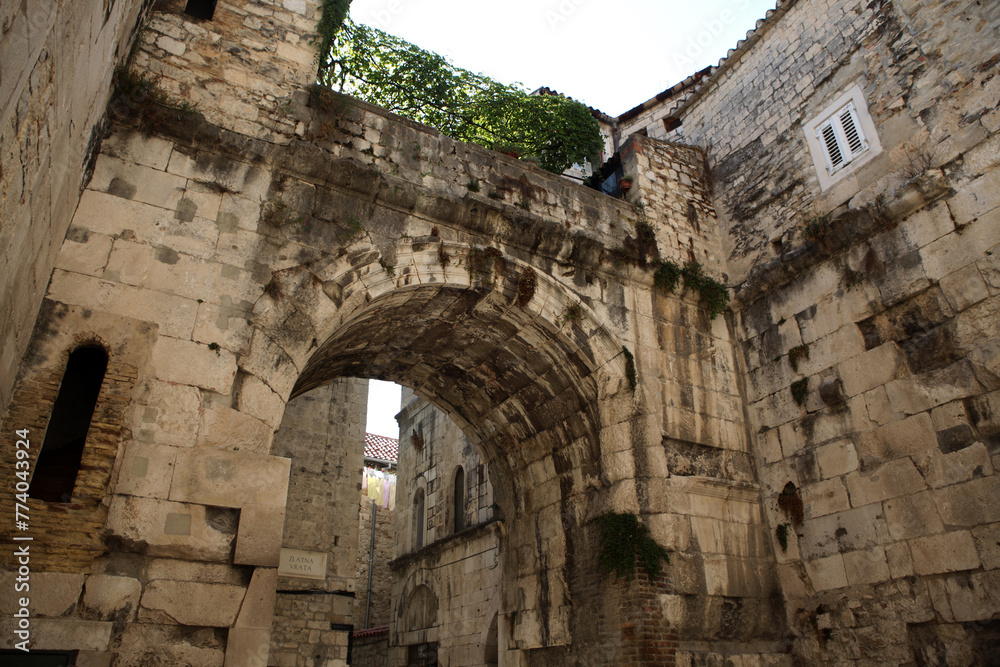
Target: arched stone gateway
238	256
256	237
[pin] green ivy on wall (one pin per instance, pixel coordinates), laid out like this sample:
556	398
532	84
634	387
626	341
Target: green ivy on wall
714	294
333	13
624	540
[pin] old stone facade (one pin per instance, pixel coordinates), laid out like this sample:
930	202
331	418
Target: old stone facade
378	453
878	293
447	572
820	460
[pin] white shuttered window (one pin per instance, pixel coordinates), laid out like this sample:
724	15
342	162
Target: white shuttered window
842	138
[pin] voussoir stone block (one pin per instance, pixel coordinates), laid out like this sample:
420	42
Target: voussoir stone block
258	539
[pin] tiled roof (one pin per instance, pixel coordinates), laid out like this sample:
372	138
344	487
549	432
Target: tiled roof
369	632
381	448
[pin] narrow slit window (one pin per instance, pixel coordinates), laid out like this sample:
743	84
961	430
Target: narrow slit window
459	499
62	449
200	9
418	520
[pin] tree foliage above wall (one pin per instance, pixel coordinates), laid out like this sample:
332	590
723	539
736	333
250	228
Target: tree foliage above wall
399	76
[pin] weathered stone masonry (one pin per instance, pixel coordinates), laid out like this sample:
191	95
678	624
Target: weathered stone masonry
235	257
55	80
888	308
460	569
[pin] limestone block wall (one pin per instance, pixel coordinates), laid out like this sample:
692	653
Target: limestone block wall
266	270
893	452
670	185
460	569
385	551
430	466
926	68
55	78
239	68
703	467
322	432
881	319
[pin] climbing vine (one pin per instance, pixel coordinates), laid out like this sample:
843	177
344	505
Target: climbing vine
392	73
667	276
332	16
623	541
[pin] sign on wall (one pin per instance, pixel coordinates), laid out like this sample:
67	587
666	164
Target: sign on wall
302	564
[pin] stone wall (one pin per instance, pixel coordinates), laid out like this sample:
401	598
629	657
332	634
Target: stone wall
371	651
431	447
460	569
876	298
248	259
55	80
385	551
240	68
263	259
322	432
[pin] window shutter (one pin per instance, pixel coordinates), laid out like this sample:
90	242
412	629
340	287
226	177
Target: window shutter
842	138
834	158
852	131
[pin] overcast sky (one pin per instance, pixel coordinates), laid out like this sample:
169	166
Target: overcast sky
383	404
612	56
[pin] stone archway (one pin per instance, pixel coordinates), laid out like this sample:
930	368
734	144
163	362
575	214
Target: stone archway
268	262
533	389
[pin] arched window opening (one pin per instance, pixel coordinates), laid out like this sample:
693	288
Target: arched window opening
459	505
418	519
492	656
62	450
200	9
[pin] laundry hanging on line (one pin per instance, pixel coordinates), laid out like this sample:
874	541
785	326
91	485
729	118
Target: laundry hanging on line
380	487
